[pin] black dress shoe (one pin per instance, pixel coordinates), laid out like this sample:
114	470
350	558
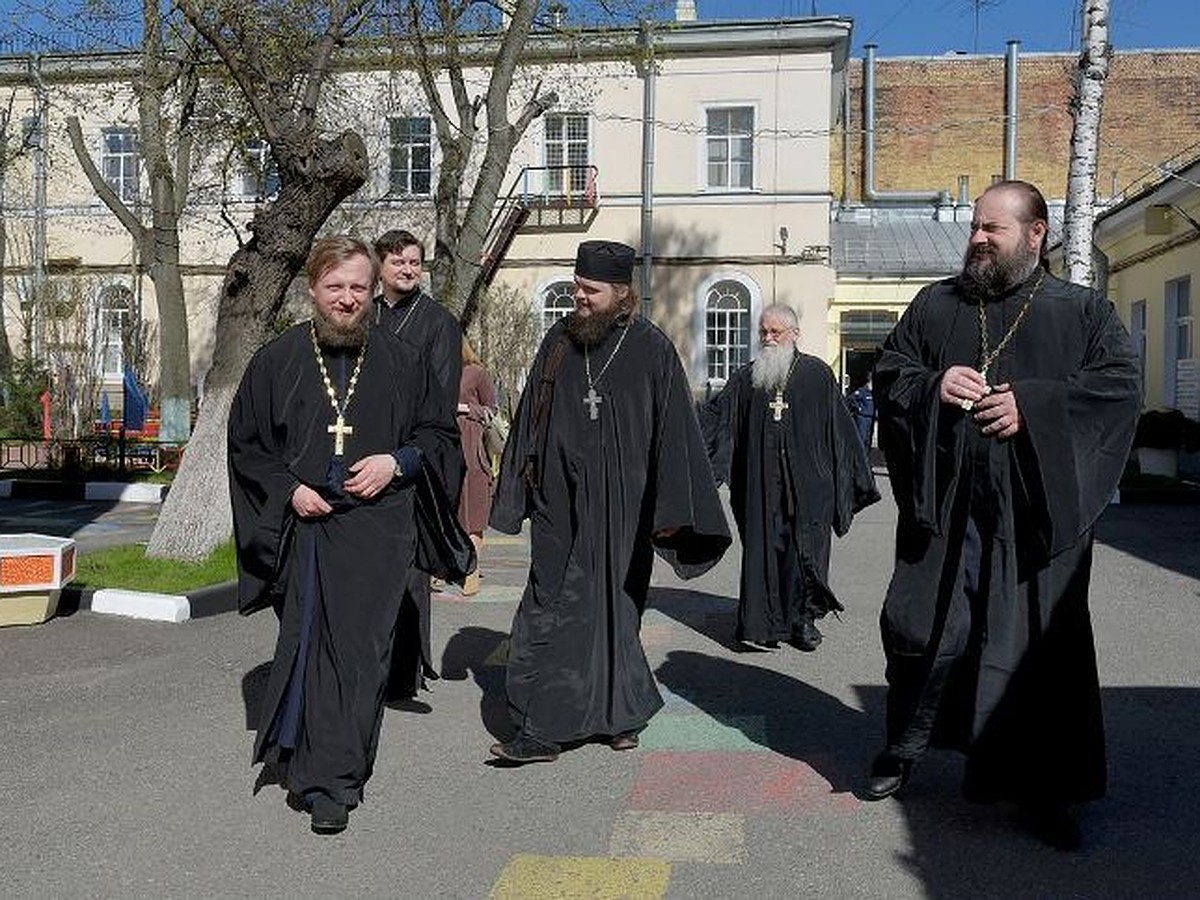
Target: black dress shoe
1053	824
525	749
807	636
328	816
888	775
626	740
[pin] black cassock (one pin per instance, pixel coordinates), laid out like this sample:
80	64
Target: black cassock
595	492
790	480
335	581
986	625
436	337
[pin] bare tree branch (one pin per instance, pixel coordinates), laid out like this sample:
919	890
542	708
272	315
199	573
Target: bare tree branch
106	194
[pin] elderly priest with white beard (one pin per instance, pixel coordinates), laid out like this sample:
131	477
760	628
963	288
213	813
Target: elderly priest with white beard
780	434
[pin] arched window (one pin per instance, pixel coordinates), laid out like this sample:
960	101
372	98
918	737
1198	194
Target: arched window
558	299
726	328
114	324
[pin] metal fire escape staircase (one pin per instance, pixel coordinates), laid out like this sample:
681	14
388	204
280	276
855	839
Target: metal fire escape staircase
542	199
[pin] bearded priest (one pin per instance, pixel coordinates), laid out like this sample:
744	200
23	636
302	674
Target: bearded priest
780	434
340	445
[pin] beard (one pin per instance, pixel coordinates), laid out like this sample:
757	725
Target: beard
588	331
338	336
988	274
770	369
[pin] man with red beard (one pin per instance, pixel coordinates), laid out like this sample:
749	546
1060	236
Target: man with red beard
1007	402
337	438
781	436
606	461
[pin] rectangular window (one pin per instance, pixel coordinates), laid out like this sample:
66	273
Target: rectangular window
566	153
730	147
411	155
1177	337
119	161
260	175
1137	331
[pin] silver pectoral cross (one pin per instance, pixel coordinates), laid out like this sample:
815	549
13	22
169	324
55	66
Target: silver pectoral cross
777	406
592	401
339	430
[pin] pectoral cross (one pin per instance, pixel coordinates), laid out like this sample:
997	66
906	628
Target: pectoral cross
592	401
777	406
339	430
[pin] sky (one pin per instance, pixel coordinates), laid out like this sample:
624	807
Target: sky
899	27
935	27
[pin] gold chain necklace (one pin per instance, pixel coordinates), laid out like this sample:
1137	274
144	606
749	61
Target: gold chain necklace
986	356
339	429
591	399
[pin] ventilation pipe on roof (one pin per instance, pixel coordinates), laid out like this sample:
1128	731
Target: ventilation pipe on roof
869	191
1010	111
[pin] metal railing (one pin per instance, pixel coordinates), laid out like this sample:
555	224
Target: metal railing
79	457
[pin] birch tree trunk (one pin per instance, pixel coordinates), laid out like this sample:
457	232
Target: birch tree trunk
1080	212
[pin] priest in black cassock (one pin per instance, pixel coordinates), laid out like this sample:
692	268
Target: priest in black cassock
1007	404
337	440
404	309
781	436
606	461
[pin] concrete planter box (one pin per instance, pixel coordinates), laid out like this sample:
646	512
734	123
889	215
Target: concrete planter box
33	570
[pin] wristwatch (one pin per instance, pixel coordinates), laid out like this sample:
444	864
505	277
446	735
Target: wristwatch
398	472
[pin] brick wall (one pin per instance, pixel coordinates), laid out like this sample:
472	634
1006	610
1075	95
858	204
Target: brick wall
937	118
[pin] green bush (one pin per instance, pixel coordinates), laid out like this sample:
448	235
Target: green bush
21	406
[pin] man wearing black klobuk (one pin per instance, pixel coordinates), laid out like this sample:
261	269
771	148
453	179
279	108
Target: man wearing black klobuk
338	446
606	461
780	435
1007	403
406	310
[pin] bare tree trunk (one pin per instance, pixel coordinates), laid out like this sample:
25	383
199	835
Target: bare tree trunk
196	516
1080	213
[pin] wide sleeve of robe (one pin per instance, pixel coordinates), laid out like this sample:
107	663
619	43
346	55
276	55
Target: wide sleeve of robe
1077	432
690	530
853	482
261	485
718	425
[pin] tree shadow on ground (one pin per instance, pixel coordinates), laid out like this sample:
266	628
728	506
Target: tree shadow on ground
780	713
1166	536
481	653
1137	842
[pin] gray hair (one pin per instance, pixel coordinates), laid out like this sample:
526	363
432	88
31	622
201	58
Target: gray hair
781	311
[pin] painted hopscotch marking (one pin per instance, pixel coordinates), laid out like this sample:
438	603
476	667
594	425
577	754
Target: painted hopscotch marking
738	782
530	877
681	837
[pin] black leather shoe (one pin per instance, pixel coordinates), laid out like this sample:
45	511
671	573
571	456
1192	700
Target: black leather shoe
807	636
888	775
626	740
1053	824
328	816
525	749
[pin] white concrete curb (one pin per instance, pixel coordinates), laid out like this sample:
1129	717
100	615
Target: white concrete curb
141	605
124	493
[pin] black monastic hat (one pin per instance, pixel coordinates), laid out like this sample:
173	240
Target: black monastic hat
607	261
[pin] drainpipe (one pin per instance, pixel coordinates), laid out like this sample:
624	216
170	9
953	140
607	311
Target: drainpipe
846	140
869	191
1010	111
39	204
649	71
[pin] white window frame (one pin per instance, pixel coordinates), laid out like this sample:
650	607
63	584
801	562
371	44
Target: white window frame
700	318
405	189
554	185
115	165
260	175
702	156
114	306
1177	324
547	317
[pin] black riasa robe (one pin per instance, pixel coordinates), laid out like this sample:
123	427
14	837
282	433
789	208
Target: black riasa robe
336	581
1001	663
602	490
790	482
436	337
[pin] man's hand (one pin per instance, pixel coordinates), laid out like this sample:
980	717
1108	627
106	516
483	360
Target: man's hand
962	386
997	414
370	475
308	504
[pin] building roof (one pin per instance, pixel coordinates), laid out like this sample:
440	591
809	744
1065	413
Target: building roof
897	246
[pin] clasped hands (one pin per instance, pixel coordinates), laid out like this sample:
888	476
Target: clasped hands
368	477
994	408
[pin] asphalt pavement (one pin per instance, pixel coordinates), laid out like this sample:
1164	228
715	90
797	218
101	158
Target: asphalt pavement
126	749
